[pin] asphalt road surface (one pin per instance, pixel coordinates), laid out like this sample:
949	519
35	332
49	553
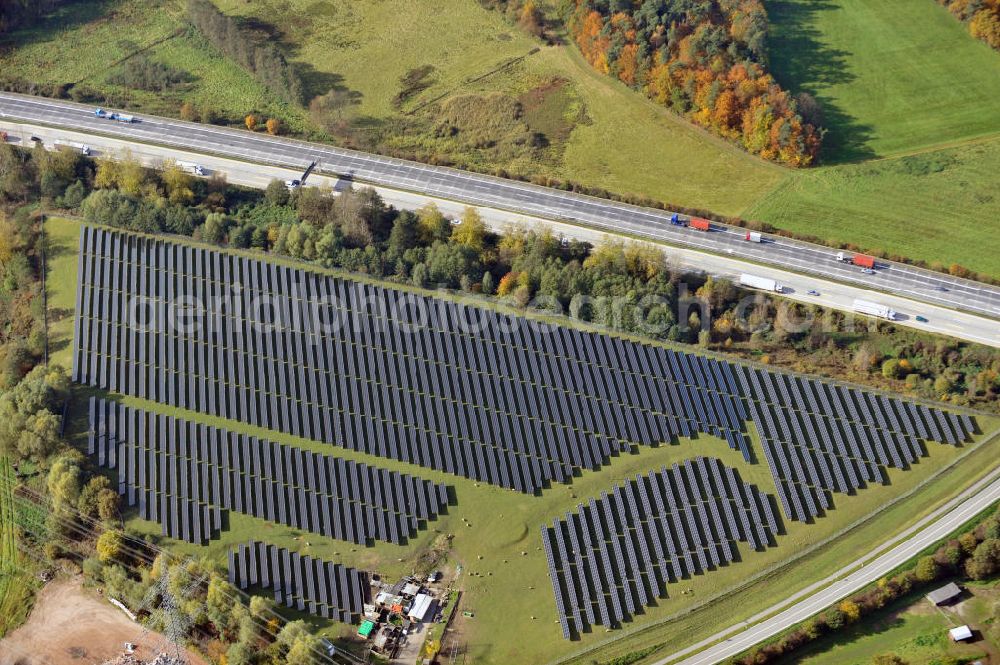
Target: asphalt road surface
480	190
863	572
832	294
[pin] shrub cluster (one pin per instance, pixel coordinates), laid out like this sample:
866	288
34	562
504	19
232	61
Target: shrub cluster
143	73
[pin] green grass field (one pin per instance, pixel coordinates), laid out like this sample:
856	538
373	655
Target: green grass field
8	542
893	76
912	629
937	206
82	43
505	588
908	94
62	245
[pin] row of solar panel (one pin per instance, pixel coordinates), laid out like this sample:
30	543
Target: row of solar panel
192	382
309	584
617	553
512	403
161	459
812	455
179	518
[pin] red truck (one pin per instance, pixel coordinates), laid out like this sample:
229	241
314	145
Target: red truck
700	224
862	260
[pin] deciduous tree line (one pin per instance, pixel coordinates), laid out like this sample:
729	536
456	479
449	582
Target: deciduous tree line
982	17
705	60
263	60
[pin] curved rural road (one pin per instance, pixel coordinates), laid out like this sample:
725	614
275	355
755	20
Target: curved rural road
815	598
517	197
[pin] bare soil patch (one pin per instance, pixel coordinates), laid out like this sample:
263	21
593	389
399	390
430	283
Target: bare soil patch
70	625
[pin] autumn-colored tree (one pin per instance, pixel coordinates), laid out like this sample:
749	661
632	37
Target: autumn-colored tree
178	183
250	121
472	231
273	126
628	64
132	174
432	224
106	176
109	546
851	610
982	17
927	569
985	25
107	504
593	44
712	73
507	284
125	173
188	112
530	18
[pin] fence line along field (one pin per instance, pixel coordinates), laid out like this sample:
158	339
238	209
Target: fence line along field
507	584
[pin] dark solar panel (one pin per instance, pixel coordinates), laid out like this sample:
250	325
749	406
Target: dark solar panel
643	527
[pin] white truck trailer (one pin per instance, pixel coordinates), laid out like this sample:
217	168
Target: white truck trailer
191	167
874	309
763	283
82	147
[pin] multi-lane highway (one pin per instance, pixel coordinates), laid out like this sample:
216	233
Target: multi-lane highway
831	294
516	197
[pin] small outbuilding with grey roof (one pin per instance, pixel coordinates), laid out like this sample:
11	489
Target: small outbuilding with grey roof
945	595
960	634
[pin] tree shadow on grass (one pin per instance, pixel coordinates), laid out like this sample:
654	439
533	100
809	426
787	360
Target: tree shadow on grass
314	81
801	62
66	17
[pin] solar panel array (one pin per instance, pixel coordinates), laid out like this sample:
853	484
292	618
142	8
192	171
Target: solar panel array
312	585
182	474
821	438
466	390
510	404
617	553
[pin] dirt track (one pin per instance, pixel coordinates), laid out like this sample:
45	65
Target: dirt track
70	625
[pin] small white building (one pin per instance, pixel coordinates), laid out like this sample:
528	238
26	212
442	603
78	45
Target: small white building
960	634
422	607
